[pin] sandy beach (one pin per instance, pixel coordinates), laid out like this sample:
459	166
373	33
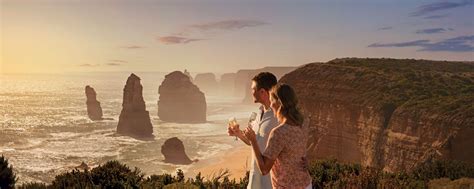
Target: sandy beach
236	160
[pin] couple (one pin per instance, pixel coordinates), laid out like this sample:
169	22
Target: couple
277	137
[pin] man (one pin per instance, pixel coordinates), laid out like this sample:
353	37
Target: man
265	122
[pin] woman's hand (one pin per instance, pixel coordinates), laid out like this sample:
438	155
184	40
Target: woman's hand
250	135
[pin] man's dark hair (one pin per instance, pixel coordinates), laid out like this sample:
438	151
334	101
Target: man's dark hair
265	80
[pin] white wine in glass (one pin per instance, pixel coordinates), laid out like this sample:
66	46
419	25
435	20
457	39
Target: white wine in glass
233	124
253	117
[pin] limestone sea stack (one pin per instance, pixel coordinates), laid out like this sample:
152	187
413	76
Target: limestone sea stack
94	111
227	84
188	74
388	113
134	120
180	100
173	151
207	83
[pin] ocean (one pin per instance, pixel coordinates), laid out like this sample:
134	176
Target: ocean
45	131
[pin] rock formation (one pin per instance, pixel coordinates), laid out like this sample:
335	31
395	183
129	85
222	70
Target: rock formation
188	74
173	150
227	84
207	83
83	166
180	100
134	120
94	111
387	113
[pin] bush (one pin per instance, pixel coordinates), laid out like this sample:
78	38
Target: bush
443	169
324	174
33	185
73	179
442	183
110	175
7	177
116	175
331	174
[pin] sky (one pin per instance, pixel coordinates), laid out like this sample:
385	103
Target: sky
62	36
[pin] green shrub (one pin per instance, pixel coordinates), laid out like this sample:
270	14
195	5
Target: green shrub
116	175
7	177
324	174
33	185
443	169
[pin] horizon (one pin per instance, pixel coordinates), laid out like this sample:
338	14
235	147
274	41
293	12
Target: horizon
52	36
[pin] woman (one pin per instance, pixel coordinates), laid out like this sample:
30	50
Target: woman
287	142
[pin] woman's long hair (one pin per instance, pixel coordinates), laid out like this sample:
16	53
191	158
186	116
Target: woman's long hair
286	96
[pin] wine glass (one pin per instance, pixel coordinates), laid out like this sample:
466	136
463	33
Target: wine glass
232	124
253	117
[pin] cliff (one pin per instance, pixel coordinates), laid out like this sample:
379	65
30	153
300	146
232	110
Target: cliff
387	113
227	84
207	83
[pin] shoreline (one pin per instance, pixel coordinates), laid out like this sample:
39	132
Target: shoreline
235	160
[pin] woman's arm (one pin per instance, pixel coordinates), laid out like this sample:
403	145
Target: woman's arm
243	138
264	163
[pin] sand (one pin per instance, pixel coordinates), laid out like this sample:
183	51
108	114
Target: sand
236	160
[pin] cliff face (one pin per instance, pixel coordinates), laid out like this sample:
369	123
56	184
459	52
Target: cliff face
94	111
387	113
207	83
134	120
181	100
227	84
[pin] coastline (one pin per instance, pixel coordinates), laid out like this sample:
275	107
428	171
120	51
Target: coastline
235	160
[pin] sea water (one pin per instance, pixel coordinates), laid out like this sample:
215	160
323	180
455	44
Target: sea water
45	131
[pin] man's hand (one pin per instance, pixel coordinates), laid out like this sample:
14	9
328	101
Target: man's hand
233	131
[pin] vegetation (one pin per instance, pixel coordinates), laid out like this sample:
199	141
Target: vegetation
331	174
7	177
324	173
414	85
407	86
113	174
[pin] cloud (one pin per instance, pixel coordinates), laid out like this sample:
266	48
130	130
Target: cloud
176	40
436	16
403	44
228	25
113	64
433	30
88	65
207	29
456	44
132	47
386	28
118	61
435	7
